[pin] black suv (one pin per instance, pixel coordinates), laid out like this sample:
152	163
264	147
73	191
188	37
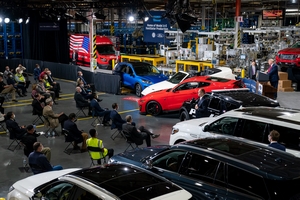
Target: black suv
222	168
221	101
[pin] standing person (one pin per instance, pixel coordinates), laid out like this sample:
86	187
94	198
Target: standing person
96	143
38	161
74	57
77	135
201	106
273	138
29	139
273	75
98	111
252	70
36	72
138	135
5	89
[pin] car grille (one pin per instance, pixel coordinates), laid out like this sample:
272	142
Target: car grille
288	57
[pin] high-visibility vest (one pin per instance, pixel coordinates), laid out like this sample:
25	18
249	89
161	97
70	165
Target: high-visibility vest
95	142
47	84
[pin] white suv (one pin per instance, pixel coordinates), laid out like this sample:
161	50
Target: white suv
252	123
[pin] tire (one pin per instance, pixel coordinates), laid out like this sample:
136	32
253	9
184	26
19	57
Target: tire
184	116
178	141
138	90
153	108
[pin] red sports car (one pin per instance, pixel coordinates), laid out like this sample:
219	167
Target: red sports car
172	99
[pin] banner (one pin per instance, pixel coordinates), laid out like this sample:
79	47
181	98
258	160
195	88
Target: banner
154	28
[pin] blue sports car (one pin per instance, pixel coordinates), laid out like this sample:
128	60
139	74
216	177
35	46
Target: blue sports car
138	75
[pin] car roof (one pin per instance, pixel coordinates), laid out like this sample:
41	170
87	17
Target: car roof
127	181
267	161
245	98
136	63
280	114
206	78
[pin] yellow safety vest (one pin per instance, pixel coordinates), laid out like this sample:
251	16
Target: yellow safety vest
21	77
95	142
47	84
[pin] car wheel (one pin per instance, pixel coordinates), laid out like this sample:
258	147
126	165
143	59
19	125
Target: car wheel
138	90
184	116
178	141
153	108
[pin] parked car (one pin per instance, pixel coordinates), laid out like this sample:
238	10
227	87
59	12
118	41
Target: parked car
253	123
221	101
138	75
289	57
221	72
114	181
172	99
222	168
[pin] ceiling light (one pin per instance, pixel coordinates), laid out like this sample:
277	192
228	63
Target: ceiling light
27	20
58	18
291	10
20	20
1	19
146	19
131	18
6	20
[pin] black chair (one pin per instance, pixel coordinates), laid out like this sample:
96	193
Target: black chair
2	126
117	131
14	139
39	116
96	118
68	139
81	109
130	141
96	149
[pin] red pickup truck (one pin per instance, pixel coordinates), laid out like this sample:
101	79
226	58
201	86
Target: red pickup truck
289	57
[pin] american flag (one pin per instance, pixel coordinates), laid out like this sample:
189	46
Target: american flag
80	43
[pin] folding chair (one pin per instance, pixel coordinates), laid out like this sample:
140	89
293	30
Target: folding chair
6	96
69	140
2	126
130	141
13	137
81	109
38	118
96	149
116	132
96	118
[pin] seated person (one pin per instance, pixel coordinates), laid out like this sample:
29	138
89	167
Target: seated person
20	79
40	88
116	118
49	87
2	99
98	111
38	161
138	135
86	85
5	89
17	131
20	89
56	85
53	119
75	133
84	92
96	143
81	102
29	139
38	104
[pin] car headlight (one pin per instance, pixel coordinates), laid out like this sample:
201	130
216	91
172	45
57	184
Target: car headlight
146	81
175	130
11	189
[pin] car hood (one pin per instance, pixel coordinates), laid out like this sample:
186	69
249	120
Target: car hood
29	184
290	50
139	154
195	122
154	78
158	86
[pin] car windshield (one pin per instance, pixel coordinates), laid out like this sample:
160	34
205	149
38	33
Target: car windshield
106	49
142	70
296	45
177	78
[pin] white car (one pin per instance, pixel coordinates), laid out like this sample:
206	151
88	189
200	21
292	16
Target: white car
251	123
110	182
220	72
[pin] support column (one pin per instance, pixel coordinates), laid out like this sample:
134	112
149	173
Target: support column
112	22
237	37
203	18
92	31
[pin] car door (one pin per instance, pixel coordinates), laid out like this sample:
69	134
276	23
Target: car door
224	126
183	92
128	76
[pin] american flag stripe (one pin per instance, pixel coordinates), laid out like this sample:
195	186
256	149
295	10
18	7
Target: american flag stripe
80	43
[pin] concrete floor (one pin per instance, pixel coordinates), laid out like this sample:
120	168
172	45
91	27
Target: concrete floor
11	162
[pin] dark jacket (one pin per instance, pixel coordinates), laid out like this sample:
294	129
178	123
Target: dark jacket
74	132
39	163
15	131
28	140
202	110
37	107
117	120
80	100
135	135
273	73
250	72
276	145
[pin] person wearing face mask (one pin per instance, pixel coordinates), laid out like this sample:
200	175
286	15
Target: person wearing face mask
20	89
20	79
36	72
6	89
87	86
11	124
49	87
53	83
81	102
84	92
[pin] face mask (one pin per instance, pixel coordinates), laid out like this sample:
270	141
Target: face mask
10	76
14	116
81	85
46	78
50	74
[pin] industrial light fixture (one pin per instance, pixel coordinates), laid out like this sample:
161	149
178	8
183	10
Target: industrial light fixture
131	18
146	19
27	20
20	20
6	20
